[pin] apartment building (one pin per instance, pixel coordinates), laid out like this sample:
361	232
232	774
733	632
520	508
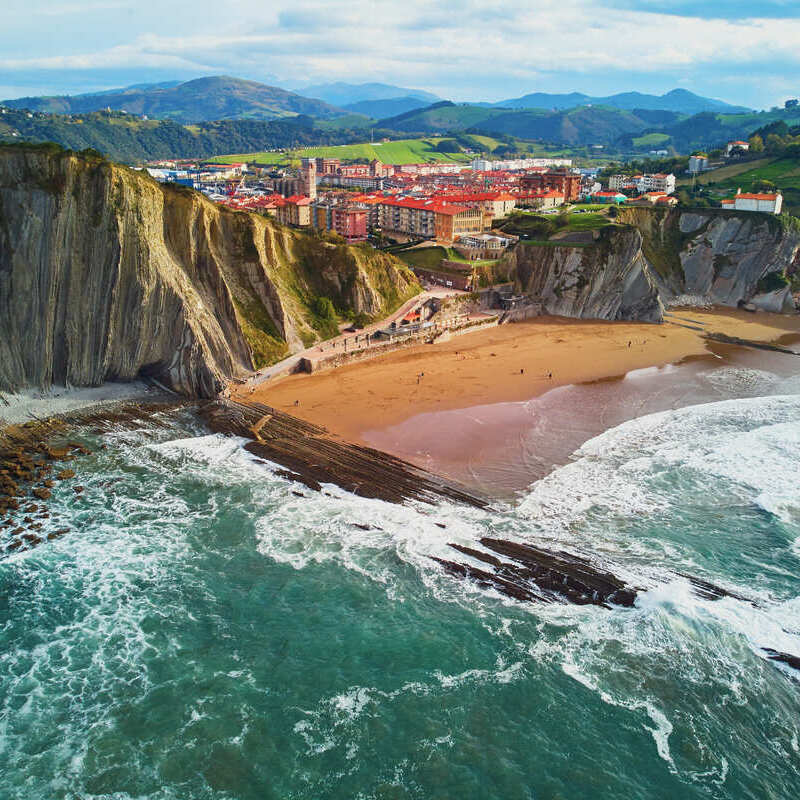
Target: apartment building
431	219
296	210
568	183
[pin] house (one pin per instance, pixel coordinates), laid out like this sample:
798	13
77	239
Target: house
736	146
766	203
483	245
615	198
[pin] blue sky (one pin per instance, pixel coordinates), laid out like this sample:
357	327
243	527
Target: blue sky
742	52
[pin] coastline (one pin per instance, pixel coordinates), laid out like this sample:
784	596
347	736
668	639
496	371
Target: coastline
509	364
34	404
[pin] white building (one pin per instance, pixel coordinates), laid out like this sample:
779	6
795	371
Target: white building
656	183
617	182
698	163
767	203
515	164
739	145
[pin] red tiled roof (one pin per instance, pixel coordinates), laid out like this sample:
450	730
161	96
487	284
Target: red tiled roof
769	197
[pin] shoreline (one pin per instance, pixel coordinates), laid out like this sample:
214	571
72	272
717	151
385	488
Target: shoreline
38	405
509	364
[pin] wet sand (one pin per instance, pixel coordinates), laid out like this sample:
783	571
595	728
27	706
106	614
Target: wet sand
510	363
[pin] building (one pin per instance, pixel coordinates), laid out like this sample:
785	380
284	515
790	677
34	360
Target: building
766	203
485	165
296	210
568	183
483	245
350	222
366	182
738	145
615	198
326	166
308	178
431	219
698	163
549	199
498	204
657	182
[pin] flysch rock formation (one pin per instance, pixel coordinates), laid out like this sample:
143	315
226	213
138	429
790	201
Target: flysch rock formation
609	279
718	257
107	275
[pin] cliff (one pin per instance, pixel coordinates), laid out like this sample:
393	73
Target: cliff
722	257
106	275
608	279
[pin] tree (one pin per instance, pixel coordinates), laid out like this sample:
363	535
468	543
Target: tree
775	144
756	144
765	186
323	308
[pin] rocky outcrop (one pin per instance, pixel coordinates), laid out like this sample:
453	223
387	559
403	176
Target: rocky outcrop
715	256
107	275
608	279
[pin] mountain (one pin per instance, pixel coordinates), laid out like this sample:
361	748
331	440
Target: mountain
439	117
578	126
345	94
678	100
378	109
199	100
107	275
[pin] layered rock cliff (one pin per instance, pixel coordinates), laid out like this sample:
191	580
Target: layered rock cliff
608	279
721	257
106	275
651	258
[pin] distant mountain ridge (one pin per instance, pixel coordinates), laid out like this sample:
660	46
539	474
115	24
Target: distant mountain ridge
345	94
378	109
199	100
678	100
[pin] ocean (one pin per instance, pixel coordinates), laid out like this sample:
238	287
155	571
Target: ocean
209	629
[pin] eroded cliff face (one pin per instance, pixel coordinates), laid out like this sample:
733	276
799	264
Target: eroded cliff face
717	256
609	279
106	275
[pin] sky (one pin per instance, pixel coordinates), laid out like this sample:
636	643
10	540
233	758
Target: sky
742	52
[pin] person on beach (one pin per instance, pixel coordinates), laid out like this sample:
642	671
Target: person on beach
521	371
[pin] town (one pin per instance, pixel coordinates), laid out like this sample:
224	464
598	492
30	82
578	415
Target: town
454	205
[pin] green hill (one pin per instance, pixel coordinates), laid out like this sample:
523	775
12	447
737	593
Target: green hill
199	100
123	137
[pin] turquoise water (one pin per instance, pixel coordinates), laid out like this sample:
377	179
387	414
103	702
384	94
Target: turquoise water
205	633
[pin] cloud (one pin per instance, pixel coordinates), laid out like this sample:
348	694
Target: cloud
459	49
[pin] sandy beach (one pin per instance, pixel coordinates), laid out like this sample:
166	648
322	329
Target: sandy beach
511	363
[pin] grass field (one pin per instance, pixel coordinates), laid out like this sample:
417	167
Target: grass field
432	257
650	139
723	173
783	172
402	151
